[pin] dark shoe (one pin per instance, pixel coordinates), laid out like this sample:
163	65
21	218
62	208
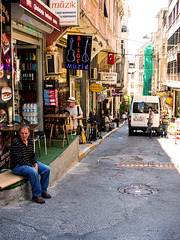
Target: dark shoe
38	200
45	195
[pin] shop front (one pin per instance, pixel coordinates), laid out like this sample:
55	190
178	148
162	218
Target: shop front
31	21
24	28
177	104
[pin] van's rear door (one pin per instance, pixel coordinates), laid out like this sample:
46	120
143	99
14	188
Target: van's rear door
139	117
140	114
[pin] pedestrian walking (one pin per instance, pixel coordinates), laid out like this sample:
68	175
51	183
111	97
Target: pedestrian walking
150	122
165	123
24	163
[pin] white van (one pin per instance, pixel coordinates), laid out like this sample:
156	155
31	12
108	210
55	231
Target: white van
138	116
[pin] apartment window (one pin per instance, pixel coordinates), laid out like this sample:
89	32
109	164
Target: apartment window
175	67
84	3
178	66
132	85
177	8
131	65
100	4
168	68
124	28
105	10
171	67
174	14
170	19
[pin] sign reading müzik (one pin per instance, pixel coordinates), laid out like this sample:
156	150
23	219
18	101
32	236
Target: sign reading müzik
109	78
78	53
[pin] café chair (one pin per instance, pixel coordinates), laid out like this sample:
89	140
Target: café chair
69	125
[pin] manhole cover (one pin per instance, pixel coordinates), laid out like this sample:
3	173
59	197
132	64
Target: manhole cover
138	190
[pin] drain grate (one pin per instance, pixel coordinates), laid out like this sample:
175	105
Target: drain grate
138	190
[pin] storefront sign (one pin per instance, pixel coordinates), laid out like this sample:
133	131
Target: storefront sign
160	94
101	97
96	87
109	78
169	101
78	54
41	11
67	10
115	94
109	85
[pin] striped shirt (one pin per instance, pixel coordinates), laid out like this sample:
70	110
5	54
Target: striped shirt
22	154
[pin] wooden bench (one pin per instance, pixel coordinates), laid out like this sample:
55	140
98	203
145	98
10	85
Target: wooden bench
8	178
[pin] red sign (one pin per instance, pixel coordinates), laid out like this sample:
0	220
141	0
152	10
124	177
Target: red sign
110	58
116	94
41	11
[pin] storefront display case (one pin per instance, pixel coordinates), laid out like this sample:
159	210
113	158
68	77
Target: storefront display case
28	66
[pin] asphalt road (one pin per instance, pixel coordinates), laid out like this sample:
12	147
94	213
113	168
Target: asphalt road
102	199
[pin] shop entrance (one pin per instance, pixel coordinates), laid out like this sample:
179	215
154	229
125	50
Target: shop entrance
25	89
28	78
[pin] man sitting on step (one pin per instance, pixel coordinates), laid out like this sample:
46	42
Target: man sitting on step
24	163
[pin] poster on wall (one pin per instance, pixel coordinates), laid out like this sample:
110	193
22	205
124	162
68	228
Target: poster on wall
78	53
5	83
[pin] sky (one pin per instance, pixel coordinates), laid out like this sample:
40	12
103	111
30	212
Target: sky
142	22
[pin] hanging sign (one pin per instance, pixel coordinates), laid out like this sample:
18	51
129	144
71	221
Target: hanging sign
96	87
78	53
109	78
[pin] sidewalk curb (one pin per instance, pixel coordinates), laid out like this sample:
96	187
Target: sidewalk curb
91	146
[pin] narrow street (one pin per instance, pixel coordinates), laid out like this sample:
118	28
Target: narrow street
102	199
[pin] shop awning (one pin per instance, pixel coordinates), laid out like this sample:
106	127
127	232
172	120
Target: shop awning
36	13
172	84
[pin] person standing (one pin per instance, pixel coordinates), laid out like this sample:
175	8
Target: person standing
24	163
165	123
75	111
150	122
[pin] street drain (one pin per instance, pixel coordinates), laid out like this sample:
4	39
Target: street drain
138	190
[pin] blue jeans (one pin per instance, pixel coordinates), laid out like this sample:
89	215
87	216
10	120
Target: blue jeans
38	186
149	130
164	130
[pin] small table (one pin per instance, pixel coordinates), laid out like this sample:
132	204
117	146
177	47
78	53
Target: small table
15	128
57	116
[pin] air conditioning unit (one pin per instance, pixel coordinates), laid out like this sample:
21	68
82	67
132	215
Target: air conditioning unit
53	64
93	73
79	73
